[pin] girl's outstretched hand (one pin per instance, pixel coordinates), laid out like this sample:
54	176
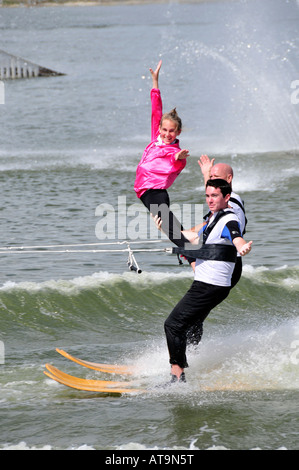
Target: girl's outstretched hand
155	75
182	154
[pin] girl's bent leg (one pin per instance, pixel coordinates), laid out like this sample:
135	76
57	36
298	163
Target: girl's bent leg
157	202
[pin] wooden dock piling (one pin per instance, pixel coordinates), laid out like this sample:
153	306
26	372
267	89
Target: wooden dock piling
13	67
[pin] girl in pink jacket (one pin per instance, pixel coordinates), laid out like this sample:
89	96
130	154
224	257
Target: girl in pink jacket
162	161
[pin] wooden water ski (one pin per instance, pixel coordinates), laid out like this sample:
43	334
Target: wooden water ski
108	368
102	386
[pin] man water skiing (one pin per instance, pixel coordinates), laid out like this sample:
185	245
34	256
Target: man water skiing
222	240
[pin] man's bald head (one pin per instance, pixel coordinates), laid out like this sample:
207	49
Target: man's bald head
222	171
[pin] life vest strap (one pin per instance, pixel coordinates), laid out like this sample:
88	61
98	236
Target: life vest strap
216	252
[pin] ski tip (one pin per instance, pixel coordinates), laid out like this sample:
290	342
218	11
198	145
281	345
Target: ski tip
108	368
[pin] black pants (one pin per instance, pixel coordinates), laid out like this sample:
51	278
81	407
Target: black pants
194	334
237	272
192	309
157	202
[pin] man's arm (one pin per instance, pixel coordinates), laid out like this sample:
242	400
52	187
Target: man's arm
191	235
206	165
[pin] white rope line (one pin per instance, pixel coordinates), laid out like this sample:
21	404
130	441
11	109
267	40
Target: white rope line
47	249
16	249
127	250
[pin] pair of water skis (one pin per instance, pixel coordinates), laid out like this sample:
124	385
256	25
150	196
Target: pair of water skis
101	386
124	387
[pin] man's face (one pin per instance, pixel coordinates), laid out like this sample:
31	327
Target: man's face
215	199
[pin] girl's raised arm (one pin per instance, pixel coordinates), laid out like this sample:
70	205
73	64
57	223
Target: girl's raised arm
155	75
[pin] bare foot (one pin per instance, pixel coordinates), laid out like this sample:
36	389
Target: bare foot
176	370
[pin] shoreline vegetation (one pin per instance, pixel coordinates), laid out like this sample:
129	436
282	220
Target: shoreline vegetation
40	3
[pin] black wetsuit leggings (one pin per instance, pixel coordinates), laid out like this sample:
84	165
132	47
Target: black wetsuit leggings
192	309
194	334
157	202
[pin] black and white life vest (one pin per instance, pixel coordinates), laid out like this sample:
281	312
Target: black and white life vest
240	204
211	251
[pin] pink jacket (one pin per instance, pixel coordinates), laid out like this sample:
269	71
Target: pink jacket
157	168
